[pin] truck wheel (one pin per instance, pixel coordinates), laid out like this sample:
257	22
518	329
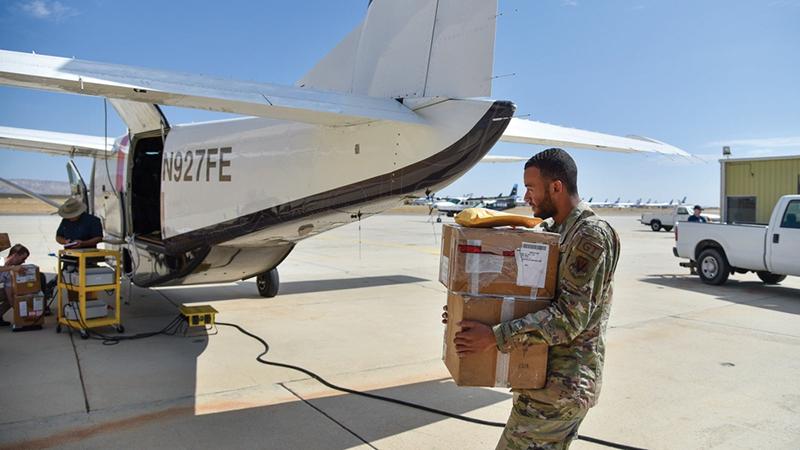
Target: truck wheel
667	229
712	267
655	225
268	283
770	278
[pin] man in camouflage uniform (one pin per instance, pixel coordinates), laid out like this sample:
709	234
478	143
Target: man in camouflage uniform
573	326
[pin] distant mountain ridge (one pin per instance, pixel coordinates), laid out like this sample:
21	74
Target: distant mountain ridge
41	187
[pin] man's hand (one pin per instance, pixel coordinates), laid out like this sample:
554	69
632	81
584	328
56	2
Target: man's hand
73	244
474	337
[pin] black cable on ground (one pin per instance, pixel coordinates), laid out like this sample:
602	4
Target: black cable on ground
440	412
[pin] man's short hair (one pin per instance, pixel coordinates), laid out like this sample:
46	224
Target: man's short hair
18	248
698	207
556	164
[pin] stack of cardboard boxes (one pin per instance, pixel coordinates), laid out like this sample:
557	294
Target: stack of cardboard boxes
494	275
28	298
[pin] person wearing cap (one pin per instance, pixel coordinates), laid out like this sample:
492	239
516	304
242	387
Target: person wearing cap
696	217
78	229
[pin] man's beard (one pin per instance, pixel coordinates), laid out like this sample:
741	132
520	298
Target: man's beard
545	209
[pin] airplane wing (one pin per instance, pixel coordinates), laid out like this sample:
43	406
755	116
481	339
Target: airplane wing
493	159
63	144
531	132
196	91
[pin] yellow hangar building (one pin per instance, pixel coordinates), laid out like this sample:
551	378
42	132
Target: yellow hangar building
750	187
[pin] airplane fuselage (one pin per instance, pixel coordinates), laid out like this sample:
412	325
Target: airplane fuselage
227	200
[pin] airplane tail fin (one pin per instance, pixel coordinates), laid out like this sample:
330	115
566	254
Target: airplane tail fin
414	48
513	191
683	200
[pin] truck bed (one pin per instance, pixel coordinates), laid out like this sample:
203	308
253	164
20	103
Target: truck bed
743	244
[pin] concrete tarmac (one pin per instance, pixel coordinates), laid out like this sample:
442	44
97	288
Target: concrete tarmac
688	366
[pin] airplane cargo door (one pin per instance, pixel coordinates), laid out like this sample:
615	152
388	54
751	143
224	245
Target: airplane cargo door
145	187
77	188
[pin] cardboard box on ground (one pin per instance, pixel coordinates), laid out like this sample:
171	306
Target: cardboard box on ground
28	310
494	275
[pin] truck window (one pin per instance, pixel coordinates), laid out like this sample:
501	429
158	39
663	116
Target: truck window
683	211
791	218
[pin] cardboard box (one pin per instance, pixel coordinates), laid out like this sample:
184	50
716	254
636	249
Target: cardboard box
27	283
28	310
5	242
521	368
499	261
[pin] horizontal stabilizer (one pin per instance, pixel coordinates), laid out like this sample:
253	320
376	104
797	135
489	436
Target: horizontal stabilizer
530	132
63	144
197	91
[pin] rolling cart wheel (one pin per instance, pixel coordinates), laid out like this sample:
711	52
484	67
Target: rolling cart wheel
84	334
120	329
58	328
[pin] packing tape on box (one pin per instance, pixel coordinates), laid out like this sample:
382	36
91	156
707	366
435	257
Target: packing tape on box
473	260
502	367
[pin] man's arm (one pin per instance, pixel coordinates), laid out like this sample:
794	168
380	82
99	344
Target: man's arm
90	242
569	314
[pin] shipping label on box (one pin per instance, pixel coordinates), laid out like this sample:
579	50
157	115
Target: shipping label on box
524	367
499	261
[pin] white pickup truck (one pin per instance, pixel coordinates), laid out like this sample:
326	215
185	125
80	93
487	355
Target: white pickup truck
666	220
718	250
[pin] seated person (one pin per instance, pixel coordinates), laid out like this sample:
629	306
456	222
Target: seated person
78	229
696	217
16	257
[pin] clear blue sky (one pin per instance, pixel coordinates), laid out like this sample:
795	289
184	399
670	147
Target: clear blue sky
695	74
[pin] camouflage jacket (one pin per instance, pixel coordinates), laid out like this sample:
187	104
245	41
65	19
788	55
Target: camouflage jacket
574	324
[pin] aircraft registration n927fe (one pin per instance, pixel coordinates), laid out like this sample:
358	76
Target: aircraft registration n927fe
398	108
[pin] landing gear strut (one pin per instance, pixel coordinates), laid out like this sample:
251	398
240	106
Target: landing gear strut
268	283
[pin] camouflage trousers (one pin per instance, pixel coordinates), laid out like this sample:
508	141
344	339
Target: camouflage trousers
534	425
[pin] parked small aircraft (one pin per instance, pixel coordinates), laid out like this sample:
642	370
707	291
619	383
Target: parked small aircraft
398	108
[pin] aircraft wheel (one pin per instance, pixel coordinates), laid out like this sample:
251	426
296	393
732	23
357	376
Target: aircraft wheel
438	220
58	328
655	225
713	267
770	278
84	334
120	329
268	283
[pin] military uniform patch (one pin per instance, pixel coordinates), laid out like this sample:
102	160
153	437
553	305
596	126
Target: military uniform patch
592	249
579	267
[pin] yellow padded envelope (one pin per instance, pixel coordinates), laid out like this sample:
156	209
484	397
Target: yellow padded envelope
487	218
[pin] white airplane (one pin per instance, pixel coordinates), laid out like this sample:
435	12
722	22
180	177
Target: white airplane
398	108
628	204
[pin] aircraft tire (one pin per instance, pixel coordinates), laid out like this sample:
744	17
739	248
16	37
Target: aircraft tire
268	283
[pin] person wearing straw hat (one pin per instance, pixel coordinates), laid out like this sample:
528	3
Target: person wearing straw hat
78	229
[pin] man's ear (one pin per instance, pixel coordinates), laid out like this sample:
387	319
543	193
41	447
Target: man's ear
557	186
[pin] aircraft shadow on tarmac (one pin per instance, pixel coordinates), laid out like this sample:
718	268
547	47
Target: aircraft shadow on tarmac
247	289
752	293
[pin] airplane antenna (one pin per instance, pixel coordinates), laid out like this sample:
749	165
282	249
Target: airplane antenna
504	75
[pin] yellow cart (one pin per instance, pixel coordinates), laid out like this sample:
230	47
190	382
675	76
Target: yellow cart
81	257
